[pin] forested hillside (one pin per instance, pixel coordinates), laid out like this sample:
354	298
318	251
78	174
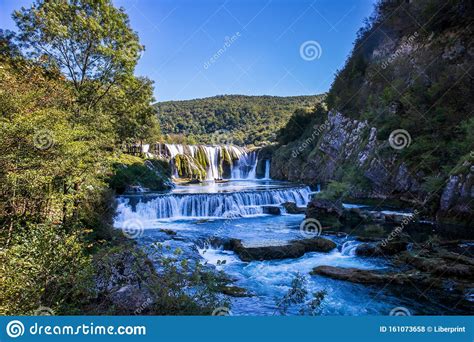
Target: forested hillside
400	117
237	119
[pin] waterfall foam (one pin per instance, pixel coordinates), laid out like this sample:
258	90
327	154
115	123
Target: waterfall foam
216	205
349	248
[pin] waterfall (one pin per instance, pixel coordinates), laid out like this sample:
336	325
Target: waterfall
349	248
212	154
243	161
218	205
175	149
246	166
267	169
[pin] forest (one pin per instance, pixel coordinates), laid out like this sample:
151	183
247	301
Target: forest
241	120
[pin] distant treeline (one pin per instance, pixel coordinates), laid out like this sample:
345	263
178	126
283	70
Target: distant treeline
237	119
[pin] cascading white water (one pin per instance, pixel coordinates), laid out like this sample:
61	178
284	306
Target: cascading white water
212	153
267	169
244	165
349	248
246	203
175	149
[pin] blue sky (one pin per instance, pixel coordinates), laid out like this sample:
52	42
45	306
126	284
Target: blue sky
201	48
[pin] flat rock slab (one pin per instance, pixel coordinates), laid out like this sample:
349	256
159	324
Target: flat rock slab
356	275
293	249
271	209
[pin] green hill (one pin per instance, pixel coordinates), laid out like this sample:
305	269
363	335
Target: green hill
237	119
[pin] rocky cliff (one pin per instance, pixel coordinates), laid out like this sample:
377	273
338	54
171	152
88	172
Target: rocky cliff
399	119
345	143
348	151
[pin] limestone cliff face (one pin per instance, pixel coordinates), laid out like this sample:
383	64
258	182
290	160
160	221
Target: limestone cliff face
347	143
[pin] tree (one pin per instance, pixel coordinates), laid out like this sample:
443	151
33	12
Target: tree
133	115
89	40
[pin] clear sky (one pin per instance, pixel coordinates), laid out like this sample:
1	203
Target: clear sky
201	48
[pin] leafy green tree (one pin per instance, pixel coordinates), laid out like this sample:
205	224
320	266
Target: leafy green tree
132	114
89	40
44	267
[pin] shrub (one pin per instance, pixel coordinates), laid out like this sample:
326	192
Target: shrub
182	287
44	266
335	191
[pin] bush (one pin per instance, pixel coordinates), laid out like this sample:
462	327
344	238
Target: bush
182	287
297	298
44	266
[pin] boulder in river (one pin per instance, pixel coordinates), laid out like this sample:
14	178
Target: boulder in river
440	263
168	231
327	212
292	208
271	209
324	207
235	291
381	249
292	249
354	217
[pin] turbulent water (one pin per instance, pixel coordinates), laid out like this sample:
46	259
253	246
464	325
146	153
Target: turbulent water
210	205
244	161
234	210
